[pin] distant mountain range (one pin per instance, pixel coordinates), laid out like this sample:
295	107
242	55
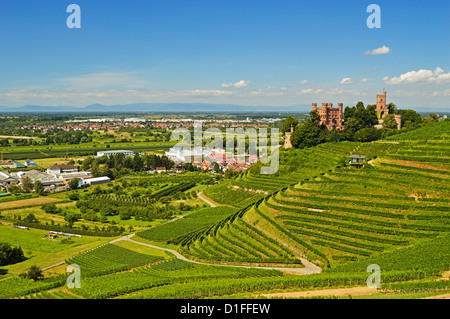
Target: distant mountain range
154	107
173	108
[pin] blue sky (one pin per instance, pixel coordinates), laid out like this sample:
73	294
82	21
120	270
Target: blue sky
242	52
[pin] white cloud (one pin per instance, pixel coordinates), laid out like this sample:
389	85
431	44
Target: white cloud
347	81
428	76
240	84
383	50
303	82
365	80
310	91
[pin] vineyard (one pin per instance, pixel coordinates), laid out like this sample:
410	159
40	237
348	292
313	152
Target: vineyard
192	222
341	214
108	259
317	209
295	165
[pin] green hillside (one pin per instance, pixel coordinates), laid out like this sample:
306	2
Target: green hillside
335	214
294	166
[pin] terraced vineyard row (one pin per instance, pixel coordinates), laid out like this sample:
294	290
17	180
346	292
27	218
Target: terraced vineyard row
235	240
342	214
109	258
295	165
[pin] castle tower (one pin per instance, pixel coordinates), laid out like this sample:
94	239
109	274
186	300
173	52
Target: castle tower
381	101
398	119
287	138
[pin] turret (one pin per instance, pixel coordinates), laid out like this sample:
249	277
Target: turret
398	119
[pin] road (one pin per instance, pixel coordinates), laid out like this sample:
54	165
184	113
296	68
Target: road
200	195
307	270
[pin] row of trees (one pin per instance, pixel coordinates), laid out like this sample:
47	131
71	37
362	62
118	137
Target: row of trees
10	255
118	165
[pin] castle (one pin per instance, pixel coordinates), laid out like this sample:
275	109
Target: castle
334	117
329	116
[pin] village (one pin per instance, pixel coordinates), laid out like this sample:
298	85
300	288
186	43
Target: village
115	124
57	177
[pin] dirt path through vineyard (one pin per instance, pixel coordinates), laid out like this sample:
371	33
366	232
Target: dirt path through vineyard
200	195
308	269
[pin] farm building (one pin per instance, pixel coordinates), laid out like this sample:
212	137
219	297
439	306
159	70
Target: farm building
29	162
161	169
18	164
115	152
65	168
96	180
7	180
357	160
68	176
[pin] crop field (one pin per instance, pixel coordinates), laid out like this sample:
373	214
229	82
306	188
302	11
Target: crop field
84	149
27	202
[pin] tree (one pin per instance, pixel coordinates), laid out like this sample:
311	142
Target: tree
367	134
74	196
348	112
39	187
50	209
366	116
352	125
34	273
389	122
72	217
30	218
87	163
26	183
13	189
124	214
434	117
410	118
73	183
290	121
334	136
138	165
10	255
392	108
309	133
